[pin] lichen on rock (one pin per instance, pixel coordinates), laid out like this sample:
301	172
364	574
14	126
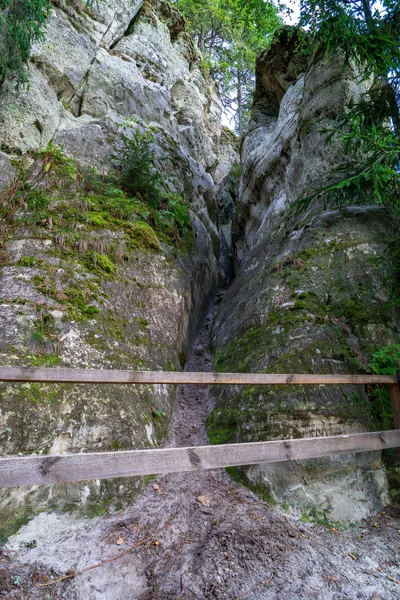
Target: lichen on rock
82	283
309	294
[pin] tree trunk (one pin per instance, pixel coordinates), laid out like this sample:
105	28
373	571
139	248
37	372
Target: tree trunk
239	101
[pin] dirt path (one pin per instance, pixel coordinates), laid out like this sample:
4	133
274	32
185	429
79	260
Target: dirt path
217	540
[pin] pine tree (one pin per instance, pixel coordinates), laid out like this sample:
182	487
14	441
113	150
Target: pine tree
368	37
230	33
22	22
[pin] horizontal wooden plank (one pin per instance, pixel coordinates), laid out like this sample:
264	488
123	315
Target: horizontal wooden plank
60	468
104	376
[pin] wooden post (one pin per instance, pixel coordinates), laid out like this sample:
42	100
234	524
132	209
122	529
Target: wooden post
395	398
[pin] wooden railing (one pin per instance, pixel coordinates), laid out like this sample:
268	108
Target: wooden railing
34	470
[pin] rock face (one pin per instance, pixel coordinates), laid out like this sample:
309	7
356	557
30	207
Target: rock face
126	59
308	295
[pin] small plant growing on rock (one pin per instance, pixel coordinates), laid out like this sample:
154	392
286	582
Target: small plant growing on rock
386	361
43	340
141	177
137	165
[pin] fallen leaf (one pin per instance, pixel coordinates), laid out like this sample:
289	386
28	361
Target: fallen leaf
120	541
204	501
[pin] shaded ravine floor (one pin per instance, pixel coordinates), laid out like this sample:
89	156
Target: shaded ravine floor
217	540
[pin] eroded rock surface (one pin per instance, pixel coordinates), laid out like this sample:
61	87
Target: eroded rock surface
309	294
93	71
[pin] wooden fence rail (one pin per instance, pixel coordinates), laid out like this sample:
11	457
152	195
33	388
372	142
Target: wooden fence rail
34	470
104	376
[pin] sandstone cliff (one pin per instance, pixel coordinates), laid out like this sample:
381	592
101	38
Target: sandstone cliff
93	72
309	295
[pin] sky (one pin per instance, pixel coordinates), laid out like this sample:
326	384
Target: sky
294	5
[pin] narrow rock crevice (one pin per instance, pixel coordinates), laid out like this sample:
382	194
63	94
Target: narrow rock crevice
217	540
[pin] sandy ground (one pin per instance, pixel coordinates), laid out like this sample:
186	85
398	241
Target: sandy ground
200	536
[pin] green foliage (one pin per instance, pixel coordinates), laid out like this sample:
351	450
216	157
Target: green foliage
373	410
102	262
141	176
369	171
230	33
43	340
136	159
369	131
22	23
366	34
50	191
386	361
45	168
173	217
313	515
30	261
381	408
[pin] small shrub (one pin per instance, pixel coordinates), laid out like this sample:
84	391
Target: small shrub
175	217
140	177
21	24
136	160
387	360
30	261
43	341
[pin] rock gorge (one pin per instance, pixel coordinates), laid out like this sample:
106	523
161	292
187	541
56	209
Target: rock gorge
307	295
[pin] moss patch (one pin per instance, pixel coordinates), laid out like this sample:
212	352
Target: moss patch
12	525
142	235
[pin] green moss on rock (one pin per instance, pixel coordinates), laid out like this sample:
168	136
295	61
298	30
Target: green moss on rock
142	235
